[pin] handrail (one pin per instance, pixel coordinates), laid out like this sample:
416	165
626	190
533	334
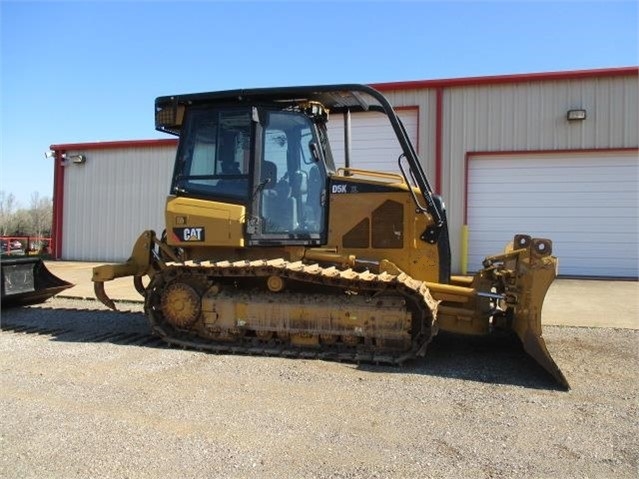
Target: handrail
370	173
411	186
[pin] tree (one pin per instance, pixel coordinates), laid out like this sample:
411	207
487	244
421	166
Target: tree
20	224
40	214
7	204
16	221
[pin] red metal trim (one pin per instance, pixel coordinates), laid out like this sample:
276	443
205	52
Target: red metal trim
501	79
470	154
58	205
439	140
110	145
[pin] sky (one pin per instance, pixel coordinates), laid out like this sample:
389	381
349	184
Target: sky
84	71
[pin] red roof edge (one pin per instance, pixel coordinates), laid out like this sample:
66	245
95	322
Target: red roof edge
501	79
109	145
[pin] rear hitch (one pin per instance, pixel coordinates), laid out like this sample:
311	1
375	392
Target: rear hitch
98	288
139	264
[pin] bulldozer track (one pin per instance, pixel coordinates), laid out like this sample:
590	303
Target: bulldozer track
206	274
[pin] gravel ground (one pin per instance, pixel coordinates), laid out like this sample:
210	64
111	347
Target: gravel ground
86	392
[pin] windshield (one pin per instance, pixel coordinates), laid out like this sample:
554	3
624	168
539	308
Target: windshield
214	161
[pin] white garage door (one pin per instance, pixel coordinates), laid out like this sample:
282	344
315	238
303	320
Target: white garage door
374	145
585	203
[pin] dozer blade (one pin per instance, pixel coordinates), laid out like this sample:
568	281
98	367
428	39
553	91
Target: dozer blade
28	281
527	315
532	264
536	347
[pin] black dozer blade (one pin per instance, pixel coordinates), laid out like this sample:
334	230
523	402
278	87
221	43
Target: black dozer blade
28	281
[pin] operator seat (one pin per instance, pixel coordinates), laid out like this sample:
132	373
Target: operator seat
299	188
313	199
278	207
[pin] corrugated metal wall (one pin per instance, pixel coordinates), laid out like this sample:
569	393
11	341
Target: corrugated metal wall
528	116
531	117
374	145
112	198
425	101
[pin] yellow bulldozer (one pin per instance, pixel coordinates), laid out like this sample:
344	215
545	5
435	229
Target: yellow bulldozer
271	249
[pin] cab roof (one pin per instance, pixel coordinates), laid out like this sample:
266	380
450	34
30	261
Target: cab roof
169	110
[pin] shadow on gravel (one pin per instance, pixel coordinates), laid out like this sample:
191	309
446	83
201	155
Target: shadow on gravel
494	360
82	325
498	359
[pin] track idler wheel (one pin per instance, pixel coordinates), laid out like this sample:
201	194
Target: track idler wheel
181	305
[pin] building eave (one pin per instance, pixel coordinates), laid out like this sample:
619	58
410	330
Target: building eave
111	145
508	79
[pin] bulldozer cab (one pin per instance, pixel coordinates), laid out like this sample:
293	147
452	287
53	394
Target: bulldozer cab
264	158
267	151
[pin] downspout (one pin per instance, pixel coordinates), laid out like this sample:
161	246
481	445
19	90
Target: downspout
58	204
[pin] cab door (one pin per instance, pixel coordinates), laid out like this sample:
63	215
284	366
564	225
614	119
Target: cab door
289	207
211	181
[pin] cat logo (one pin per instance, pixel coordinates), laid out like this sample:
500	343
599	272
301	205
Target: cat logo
189	234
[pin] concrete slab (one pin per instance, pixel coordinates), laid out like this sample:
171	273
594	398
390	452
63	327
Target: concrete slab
80	273
592	303
569	302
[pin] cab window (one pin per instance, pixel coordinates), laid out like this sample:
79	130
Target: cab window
214	159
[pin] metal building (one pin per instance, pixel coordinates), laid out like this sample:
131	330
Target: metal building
552	154
105	194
